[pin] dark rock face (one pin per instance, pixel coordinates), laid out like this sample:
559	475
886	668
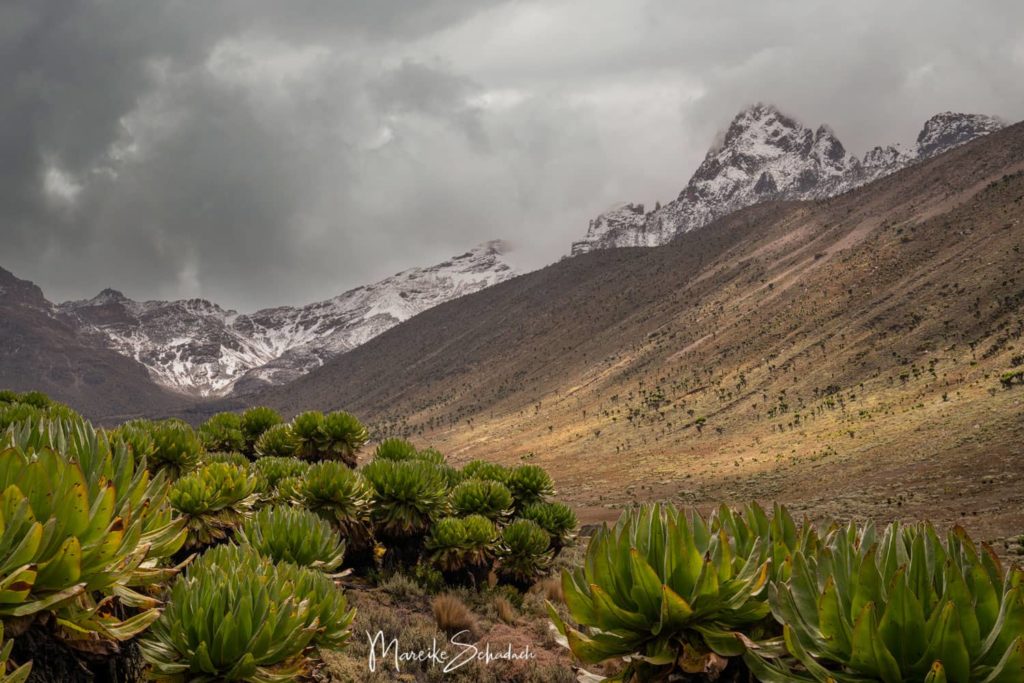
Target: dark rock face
766	185
947	130
42	350
14	291
766	155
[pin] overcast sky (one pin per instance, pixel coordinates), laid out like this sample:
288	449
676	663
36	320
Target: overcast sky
260	152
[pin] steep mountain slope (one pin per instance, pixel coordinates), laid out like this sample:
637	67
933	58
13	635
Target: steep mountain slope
197	347
40	352
766	155
843	355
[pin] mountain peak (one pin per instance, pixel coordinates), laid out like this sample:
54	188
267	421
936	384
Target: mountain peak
497	247
767	155
197	347
16	290
107	296
949	129
761	111
761	123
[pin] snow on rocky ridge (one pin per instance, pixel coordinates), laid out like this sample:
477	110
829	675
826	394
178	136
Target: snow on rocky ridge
197	347
768	155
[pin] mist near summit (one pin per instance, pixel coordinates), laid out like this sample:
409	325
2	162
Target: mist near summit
263	153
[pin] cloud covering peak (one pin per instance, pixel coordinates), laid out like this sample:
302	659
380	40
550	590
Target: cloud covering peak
260	153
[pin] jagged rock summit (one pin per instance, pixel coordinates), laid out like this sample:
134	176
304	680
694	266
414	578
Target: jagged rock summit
17	292
767	155
196	347
948	129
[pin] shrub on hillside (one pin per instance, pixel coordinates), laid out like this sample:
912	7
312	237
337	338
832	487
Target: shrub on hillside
176	448
342	497
290	534
277	441
256	421
222	433
491	499
557	519
408	495
524	553
529	484
213	501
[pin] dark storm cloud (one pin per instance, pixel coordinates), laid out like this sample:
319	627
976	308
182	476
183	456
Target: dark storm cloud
262	152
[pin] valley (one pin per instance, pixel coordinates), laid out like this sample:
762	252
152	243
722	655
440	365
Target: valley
511	342
841	355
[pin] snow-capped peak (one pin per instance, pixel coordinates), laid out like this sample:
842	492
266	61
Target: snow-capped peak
195	346
764	155
949	129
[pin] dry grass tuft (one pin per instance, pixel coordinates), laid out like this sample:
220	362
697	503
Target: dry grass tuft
452	615
504	609
551	588
401	586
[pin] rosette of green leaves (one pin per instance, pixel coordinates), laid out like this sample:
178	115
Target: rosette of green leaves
783	537
236	459
529	484
558	519
237	616
291	534
137	436
342	497
229	458
343	436
213	500
395	449
310	439
452	476
275	468
328	604
408	495
81	529
905	606
277	441
176	448
447	543
222	433
524	552
492	499
32	405
289	490
36	399
256	421
663	590
14	413
481	541
431	455
489	471
271	471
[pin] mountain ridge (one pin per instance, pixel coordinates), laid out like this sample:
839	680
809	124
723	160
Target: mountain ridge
40	351
196	347
767	155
